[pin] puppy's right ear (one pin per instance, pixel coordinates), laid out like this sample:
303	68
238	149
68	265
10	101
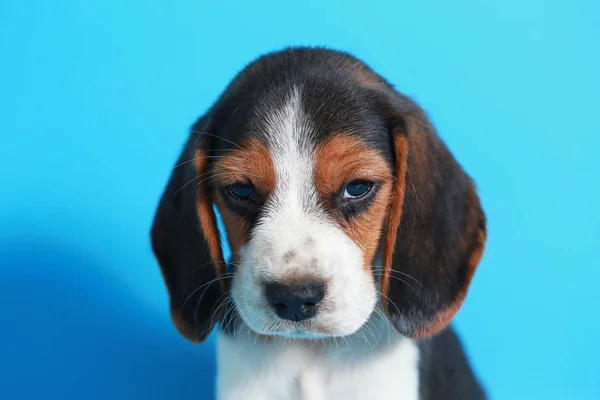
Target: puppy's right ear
436	228
185	240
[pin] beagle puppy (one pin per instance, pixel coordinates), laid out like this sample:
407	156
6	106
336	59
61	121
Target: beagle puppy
353	230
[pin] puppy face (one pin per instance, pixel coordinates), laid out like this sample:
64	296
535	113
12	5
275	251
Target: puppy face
317	167
303	208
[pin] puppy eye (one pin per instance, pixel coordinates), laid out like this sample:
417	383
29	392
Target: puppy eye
357	189
241	191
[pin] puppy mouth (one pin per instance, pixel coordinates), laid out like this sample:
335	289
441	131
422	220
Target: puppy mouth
298	330
301	334
295	330
271	325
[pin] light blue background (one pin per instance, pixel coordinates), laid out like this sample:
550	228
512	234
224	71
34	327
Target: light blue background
95	102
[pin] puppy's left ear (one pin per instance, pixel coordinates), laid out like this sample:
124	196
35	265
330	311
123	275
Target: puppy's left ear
436	229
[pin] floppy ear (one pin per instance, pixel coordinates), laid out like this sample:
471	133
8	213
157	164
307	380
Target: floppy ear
436	228
185	240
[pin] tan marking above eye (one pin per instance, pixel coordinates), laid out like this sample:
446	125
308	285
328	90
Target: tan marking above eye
250	163
344	158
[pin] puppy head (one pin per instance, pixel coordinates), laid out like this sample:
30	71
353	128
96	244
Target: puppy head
321	172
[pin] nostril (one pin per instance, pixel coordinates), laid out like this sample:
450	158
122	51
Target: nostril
280	306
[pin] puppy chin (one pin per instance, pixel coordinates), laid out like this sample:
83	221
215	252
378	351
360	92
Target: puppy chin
306	333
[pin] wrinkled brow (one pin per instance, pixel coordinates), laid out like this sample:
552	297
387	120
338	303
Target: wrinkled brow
251	162
346	157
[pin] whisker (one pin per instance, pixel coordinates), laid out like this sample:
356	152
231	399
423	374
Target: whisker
385	323
366	327
262	329
220	137
196	159
236	320
211	174
225	276
236	310
381	273
403	281
210	177
347	344
231	309
390	300
214	314
361	335
187	183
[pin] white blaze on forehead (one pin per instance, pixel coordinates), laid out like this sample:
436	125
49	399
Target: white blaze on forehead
290	141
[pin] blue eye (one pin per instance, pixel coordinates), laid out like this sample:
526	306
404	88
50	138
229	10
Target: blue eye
241	191
357	189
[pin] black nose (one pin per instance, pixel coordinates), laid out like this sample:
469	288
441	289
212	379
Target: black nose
295	303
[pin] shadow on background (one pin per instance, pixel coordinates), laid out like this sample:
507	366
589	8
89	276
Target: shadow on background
70	332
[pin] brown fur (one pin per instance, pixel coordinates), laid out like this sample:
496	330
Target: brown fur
251	162
208	221
395	213
344	158
236	227
444	317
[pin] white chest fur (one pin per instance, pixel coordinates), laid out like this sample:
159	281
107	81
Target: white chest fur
356	367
